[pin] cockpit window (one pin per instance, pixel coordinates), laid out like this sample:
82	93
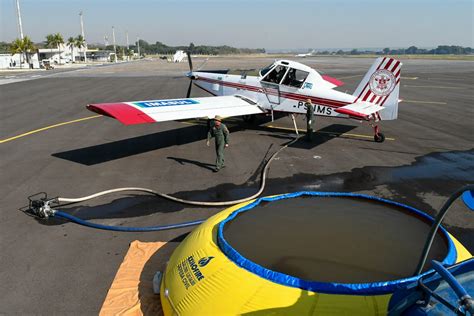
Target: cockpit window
264	71
295	78
276	74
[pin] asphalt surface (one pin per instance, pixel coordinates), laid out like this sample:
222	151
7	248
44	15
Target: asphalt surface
55	267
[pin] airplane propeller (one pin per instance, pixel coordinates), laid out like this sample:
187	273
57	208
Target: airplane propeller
190	62
190	74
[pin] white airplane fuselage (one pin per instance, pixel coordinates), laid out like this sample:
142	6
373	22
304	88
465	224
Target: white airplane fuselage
291	99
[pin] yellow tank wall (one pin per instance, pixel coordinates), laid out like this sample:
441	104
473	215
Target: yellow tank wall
226	289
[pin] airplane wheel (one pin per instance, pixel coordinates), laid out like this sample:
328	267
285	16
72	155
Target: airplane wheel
379	138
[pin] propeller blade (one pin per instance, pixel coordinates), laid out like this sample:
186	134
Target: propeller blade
190	62
188	94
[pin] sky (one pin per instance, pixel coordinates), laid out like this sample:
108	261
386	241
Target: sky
269	24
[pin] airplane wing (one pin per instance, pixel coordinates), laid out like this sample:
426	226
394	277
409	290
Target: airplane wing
360	110
138	112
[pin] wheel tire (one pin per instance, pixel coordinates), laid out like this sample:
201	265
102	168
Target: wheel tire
379	138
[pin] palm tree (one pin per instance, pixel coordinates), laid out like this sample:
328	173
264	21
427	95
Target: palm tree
71	42
58	40
81	43
22	46
28	46
54	41
50	43
16	47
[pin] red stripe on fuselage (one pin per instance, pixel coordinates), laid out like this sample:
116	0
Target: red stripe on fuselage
283	94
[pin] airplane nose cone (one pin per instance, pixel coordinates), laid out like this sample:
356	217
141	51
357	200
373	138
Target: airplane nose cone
191	75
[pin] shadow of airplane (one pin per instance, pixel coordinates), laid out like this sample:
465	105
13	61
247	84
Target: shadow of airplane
324	135
98	154
133	146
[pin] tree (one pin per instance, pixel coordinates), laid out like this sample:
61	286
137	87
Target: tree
22	46
411	50
386	50
50	42
354	52
58	40
191	47
81	43
71	43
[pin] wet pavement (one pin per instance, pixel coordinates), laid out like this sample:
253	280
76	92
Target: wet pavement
59	267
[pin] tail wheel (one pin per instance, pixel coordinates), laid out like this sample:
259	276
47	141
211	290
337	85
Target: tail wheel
379	137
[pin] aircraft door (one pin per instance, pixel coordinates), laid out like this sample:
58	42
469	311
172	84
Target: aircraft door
293	82
271	84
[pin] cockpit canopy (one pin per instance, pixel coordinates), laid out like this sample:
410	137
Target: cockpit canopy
285	73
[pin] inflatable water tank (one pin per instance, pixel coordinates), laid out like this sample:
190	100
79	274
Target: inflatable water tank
304	253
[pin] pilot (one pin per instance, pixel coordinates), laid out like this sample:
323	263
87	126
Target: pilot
280	74
290	78
221	134
309	120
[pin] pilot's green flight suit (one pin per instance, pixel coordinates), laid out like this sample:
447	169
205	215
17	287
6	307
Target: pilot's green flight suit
221	134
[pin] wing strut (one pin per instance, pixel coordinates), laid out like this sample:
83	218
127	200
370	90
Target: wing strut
294	123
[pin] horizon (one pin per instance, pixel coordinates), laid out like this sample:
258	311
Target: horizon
421	23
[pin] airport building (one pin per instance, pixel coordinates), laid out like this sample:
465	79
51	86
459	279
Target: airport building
19	61
53	56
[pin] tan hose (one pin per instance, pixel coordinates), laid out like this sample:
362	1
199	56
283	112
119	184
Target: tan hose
175	199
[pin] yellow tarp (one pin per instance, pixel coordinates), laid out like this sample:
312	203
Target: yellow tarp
131	292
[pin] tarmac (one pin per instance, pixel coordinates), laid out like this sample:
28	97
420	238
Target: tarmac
50	143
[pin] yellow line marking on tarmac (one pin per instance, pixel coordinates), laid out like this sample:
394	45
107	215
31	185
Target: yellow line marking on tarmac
427	102
436	87
303	130
192	122
48	127
409	78
323	132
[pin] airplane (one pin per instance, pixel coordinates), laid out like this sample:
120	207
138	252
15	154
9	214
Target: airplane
283	86
179	56
305	55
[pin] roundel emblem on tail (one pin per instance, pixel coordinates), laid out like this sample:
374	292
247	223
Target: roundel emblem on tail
382	82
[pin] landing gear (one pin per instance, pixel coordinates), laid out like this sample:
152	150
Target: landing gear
378	136
294	124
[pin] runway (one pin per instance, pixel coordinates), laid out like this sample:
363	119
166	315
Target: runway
49	142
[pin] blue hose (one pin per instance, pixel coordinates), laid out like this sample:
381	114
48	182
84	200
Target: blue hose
82	222
448	277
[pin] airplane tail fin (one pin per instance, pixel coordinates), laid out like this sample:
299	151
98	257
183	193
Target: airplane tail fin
381	85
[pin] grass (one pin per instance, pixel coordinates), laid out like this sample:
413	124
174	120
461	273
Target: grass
436	57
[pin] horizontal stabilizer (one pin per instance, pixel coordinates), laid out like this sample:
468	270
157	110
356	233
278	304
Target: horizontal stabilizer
139	112
360	110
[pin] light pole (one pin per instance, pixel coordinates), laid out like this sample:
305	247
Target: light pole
138	46
126	35
113	39
20	27
83	37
